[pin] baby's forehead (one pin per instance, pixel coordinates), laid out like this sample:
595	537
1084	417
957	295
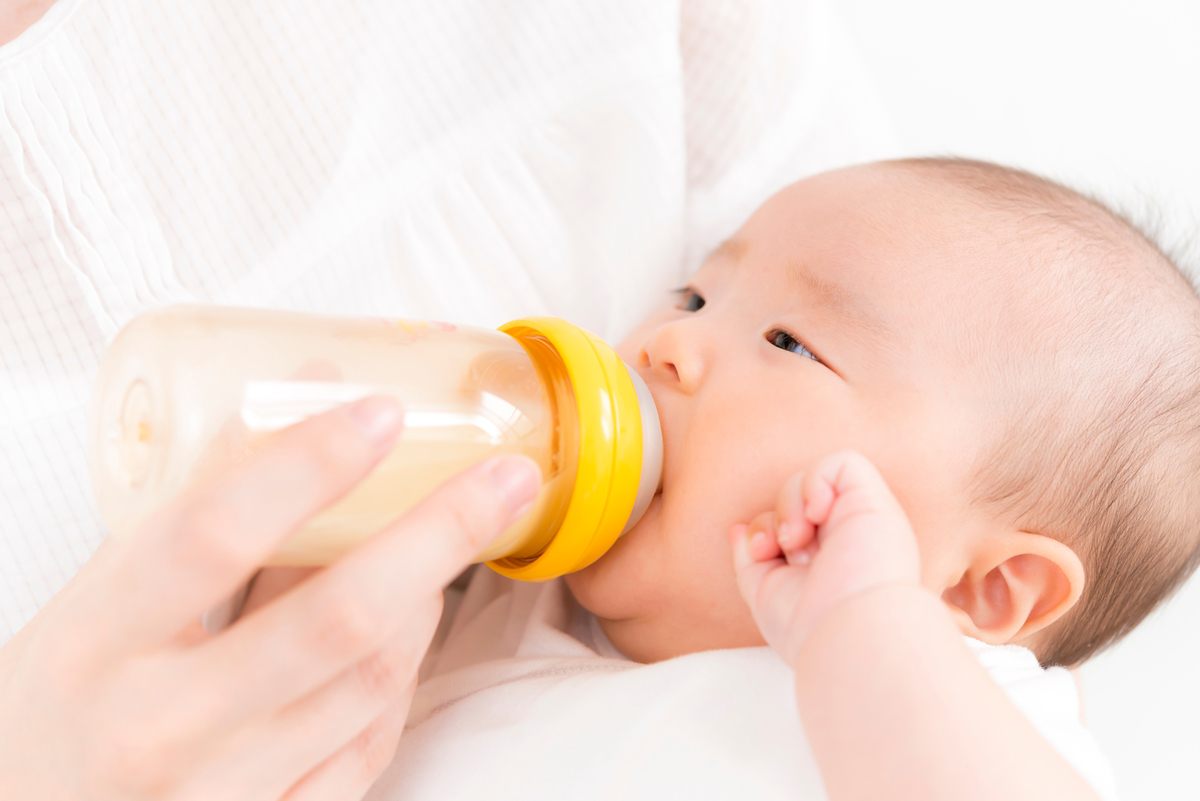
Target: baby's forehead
934	265
894	255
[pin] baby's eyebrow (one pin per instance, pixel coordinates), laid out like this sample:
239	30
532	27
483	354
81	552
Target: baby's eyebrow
836	299
731	249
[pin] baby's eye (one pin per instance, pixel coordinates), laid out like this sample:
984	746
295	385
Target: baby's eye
782	339
689	299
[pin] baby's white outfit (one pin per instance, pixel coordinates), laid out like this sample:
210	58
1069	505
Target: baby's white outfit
523	697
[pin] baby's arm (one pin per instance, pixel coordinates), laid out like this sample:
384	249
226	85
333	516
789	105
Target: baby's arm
894	704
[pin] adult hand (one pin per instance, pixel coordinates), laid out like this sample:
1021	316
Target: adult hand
115	691
17	17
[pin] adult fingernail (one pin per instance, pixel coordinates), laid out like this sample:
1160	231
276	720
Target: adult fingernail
516	480
378	418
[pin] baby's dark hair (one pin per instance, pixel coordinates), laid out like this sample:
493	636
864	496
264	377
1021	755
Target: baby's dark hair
1099	448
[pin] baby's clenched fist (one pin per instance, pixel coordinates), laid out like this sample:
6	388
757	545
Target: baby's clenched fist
837	531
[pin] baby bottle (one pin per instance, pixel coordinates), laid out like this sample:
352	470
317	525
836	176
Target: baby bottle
185	392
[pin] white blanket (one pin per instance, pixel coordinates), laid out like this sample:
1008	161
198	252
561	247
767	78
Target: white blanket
523	697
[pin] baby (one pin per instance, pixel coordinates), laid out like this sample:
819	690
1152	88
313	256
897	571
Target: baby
923	399
1021	366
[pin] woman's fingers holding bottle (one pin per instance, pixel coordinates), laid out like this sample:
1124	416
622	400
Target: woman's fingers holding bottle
272	582
198	550
189	733
344	613
108	675
357	718
348	774
425	549
342	730
324	662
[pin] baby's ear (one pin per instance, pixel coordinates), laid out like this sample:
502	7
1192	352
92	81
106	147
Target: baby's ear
1017	584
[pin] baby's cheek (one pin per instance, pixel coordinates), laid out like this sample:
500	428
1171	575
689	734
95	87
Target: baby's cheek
714	610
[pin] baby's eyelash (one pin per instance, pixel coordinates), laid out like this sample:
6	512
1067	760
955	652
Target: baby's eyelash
689	299
785	341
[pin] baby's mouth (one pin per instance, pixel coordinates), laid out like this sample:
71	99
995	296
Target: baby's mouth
658	494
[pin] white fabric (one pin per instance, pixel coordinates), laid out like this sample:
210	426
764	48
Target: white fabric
1050	700
458	159
446	160
527	700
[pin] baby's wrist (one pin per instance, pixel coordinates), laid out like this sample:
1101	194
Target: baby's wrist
889	603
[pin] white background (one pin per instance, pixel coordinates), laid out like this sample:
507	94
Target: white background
1105	96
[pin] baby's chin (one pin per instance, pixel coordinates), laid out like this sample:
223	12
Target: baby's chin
653	605
612	587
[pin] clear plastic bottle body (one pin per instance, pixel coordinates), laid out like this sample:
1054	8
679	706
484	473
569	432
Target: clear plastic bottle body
186	392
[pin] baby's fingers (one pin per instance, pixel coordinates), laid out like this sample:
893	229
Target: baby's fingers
795	530
764	537
750	571
818	490
849	481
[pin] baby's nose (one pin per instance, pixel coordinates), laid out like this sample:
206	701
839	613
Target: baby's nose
667	368
674	357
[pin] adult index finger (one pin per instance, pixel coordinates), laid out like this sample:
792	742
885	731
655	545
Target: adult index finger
201	547
342	615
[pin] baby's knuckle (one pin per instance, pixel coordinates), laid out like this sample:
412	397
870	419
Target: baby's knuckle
846	456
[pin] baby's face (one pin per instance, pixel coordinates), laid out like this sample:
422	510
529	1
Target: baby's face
829	321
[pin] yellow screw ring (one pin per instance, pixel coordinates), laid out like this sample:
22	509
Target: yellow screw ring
626	450
610	451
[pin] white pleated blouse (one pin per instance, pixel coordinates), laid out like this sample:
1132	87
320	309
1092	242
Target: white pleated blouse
463	160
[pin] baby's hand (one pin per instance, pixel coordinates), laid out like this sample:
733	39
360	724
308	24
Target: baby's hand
836	532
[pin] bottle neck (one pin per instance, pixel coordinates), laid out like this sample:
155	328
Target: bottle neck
564	448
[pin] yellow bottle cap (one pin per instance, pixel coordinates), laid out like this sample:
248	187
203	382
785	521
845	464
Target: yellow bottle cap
620	451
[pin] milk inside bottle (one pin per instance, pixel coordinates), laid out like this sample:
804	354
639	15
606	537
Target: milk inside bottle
186	392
